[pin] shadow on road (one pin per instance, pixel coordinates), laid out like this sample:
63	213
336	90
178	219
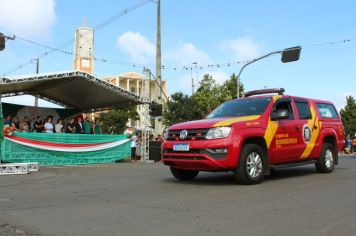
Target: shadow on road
226	178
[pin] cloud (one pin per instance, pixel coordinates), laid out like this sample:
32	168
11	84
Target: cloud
138	47
33	19
186	54
243	48
219	76
339	99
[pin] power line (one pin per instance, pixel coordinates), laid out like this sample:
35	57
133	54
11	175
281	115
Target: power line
163	67
329	43
98	27
120	14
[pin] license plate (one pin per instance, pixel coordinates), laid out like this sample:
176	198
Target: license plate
183	147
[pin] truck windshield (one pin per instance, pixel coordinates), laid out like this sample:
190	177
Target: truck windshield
241	107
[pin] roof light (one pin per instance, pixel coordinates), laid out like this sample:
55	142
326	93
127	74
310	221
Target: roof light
280	91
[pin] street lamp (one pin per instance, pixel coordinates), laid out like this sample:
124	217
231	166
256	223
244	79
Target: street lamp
288	55
37	62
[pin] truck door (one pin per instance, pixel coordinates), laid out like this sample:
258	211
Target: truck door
284	145
305	124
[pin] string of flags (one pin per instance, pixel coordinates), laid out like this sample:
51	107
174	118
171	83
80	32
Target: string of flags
193	66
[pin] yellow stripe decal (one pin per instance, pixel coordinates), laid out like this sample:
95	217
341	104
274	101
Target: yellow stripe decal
272	126
237	119
315	133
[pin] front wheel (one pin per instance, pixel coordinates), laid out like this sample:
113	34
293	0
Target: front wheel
250	169
184	174
326	161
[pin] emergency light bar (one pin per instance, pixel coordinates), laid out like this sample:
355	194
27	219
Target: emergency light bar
280	91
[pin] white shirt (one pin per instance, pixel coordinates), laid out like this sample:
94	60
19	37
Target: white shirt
48	127
134	142
59	128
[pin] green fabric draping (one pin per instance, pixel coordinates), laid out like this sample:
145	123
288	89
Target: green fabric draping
19	153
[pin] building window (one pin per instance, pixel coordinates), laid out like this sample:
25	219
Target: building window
133	123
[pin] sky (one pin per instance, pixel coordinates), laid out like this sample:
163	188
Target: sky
214	32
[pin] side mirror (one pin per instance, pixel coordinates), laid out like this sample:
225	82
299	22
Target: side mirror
280	114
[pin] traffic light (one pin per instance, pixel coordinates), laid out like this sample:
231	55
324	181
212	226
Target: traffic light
155	109
2	41
291	54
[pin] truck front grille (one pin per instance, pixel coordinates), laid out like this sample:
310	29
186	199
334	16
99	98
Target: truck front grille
193	134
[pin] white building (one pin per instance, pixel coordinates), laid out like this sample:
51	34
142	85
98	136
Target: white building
134	82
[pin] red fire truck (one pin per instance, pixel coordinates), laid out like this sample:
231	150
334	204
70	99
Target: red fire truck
249	136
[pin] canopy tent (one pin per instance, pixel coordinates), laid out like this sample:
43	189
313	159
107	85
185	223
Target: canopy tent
32	112
74	89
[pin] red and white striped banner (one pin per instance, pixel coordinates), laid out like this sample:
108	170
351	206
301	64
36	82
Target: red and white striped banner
65	147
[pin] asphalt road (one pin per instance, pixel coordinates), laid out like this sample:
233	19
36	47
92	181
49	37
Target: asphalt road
143	199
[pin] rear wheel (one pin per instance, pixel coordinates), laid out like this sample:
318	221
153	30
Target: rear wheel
184	174
326	161
250	169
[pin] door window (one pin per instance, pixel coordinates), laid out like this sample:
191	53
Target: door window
284	104
303	110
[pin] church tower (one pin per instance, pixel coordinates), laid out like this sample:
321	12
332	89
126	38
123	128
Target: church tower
84	49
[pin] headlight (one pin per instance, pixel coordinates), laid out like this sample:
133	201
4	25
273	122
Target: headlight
218	132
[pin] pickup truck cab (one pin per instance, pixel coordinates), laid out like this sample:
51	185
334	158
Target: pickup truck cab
251	135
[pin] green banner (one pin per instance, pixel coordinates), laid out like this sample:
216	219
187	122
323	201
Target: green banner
16	152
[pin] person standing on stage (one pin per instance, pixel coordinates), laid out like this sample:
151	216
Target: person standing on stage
48	126
15	124
7	120
25	127
79	126
87	126
97	127
38	125
59	126
70	126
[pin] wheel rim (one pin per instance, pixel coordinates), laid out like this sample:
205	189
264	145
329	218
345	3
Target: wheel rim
254	165
329	159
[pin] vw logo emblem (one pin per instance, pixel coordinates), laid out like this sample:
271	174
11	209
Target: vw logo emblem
183	134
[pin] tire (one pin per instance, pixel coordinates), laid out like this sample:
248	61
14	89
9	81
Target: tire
184	174
251	166
326	161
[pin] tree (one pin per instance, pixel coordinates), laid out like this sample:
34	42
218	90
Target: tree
180	108
114	121
208	96
348	115
230	88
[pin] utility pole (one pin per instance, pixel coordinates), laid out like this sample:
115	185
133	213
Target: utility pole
196	68
158	53
191	75
37	61
158	120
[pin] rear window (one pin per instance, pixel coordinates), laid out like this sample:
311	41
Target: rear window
241	107
327	110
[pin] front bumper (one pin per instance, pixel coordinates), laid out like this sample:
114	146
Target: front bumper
201	155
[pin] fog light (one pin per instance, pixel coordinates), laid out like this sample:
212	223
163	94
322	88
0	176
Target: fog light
217	150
